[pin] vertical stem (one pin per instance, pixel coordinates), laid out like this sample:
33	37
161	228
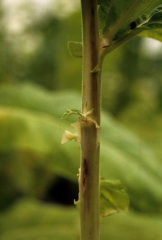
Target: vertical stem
91	81
89	175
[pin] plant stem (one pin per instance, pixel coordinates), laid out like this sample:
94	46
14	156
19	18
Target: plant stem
89	175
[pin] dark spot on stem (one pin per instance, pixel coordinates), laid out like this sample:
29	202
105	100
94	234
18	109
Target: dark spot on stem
92	13
85	167
85	172
133	25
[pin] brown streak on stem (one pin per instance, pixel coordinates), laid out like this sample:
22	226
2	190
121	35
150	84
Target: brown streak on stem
85	173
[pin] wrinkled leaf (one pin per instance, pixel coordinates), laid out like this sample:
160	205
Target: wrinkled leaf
121	21
118	15
153	27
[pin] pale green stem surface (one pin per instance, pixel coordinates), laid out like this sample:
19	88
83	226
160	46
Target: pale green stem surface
89	174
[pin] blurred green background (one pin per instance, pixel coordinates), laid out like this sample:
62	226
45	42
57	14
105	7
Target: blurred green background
39	80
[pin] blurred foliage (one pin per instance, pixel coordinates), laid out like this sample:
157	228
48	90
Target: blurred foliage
31	220
39	80
34	124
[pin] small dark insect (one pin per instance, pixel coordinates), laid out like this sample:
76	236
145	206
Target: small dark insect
133	25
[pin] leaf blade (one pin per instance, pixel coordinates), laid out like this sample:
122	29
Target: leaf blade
119	15
75	49
113	197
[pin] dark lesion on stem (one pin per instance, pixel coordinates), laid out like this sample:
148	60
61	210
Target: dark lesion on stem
85	173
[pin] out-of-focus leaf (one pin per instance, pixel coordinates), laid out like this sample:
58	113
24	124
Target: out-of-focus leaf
25	172
155	34
31	220
75	49
123	155
113	197
133	162
22	129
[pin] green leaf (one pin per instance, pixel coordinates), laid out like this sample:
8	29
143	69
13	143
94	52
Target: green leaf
23	129
121	21
155	34
71	112
75	49
113	197
153	27
116	16
103	13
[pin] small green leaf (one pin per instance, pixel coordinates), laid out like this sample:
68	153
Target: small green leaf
71	112
76	112
75	49
113	197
